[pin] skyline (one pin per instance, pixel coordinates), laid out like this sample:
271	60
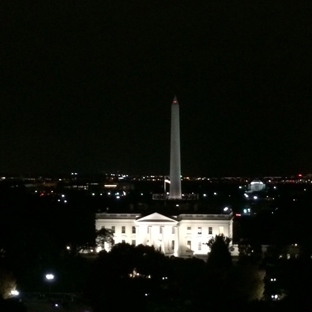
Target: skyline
88	87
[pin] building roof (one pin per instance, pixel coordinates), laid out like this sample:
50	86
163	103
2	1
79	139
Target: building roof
158	217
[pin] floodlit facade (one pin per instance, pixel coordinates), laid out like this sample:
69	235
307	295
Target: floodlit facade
256	186
183	235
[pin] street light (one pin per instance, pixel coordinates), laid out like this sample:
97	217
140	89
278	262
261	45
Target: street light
14	292
49	277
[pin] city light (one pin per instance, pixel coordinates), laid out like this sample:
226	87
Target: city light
14	292
110	185
49	277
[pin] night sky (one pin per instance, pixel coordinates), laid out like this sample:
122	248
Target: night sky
87	86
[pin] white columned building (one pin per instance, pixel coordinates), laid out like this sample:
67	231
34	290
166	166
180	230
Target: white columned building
183	235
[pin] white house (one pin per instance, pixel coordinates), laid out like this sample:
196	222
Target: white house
183	235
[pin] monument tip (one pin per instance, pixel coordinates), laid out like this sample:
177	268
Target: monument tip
175	101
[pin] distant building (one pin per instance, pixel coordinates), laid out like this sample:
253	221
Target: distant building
256	186
184	235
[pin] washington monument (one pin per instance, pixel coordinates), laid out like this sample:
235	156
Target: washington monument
175	159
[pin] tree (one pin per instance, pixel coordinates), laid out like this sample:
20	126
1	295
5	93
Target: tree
104	236
219	264
249	251
247	282
7	283
219	256
127	267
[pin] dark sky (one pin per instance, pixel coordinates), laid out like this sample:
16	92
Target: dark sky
87	86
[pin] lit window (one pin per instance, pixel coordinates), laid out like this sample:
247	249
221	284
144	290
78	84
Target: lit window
172	245
210	230
123	229
113	229
199	231
133	230
188	245
199	246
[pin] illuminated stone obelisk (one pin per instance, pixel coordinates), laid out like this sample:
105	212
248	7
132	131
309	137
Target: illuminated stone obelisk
175	160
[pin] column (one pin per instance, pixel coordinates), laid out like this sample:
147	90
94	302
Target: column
177	242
